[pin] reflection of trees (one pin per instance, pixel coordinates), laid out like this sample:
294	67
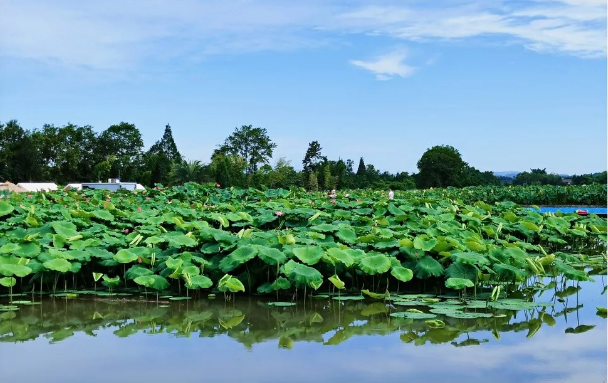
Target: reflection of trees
249	322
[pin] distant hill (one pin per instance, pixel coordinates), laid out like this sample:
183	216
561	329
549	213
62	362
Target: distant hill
510	174
514	173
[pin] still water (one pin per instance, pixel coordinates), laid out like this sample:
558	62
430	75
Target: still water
246	340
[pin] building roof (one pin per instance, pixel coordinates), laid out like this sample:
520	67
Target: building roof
37	186
9	186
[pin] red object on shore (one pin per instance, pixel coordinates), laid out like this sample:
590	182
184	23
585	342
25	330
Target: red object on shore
582	212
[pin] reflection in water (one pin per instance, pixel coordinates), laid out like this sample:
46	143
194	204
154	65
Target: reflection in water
361	330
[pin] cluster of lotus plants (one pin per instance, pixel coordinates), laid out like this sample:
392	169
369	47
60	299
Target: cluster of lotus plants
578	195
184	241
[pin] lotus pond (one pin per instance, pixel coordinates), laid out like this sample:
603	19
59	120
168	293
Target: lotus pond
299	270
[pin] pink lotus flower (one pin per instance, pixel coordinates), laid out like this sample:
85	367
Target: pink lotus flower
217	185
139	260
8	196
357	200
29	196
139	208
147	198
86	200
279	213
126	231
333	201
108	200
83	195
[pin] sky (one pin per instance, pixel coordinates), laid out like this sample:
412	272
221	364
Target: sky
513	85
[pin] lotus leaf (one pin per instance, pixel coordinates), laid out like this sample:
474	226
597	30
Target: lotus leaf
271	256
401	273
427	266
458	283
14	270
5	208
375	264
58	264
309	255
341	256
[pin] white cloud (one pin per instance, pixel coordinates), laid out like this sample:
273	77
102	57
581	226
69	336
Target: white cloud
388	65
122	36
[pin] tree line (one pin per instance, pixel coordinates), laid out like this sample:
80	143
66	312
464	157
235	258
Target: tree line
72	153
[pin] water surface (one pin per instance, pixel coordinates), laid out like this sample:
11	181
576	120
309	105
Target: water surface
96	341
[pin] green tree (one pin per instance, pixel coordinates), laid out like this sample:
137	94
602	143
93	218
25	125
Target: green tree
123	141
227	170
537	177
313	185
160	159
283	175
188	171
19	159
312	157
440	166
252	144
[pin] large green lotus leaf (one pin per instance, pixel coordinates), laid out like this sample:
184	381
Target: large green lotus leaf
375	264
191	270
462	270
230	283
173	263
28	250
103	215
238	257
341	256
14	270
309	255
302	274
470	259
100	253
458	283
271	256
424	244
280	284
201	282
8	248
394	210
516	253
181	240
572	273
402	273
346	234
509	272
58	264
427	266
137	271
5	208
357	254
557	222
76	266
8	282
126	256
324	228
475	245
79	255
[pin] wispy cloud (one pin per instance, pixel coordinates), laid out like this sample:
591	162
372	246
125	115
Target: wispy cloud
121	36
388	65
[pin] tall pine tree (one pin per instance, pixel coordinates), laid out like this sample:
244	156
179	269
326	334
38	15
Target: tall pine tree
160	158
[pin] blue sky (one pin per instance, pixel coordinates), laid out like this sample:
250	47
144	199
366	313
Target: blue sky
512	84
